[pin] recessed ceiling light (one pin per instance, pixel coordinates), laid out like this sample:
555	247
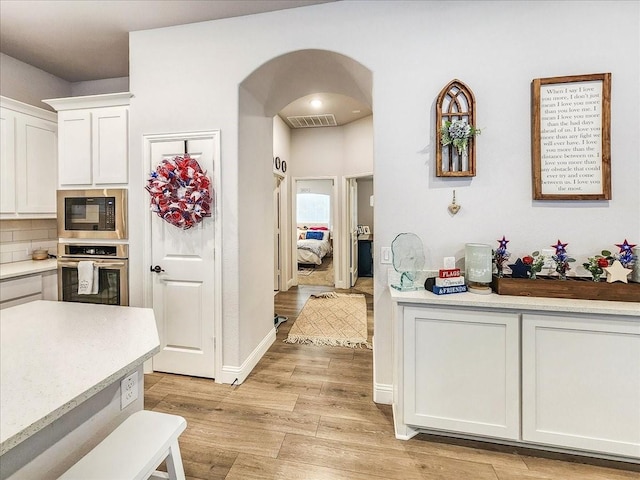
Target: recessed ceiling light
316	103
355	111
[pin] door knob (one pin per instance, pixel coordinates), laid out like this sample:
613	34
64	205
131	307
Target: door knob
156	269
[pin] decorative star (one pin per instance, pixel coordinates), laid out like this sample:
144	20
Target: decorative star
560	247
617	273
519	269
625	246
503	242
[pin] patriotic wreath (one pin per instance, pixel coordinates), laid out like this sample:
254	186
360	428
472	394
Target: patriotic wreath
180	192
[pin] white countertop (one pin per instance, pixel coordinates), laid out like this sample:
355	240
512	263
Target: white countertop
55	355
493	300
28	267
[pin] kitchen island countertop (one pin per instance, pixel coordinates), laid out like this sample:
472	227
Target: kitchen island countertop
56	355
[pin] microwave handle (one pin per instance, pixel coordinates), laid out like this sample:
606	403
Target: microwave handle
97	264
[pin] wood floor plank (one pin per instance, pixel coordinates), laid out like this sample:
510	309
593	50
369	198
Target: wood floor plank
248	467
579	471
353	377
341	408
359	432
234	438
353	391
268	382
197	387
187	406
206	462
248	394
362	459
265	418
509	460
443	468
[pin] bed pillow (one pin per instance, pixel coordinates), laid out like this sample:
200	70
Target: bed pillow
315	235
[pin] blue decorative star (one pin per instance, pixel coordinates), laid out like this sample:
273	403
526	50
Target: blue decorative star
519	269
560	247
625	247
503	242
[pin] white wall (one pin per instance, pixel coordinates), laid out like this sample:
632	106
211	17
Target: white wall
98	87
497	48
29	84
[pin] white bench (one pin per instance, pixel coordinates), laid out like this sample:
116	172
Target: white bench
134	450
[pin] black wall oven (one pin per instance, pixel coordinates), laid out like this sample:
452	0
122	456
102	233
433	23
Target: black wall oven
111	264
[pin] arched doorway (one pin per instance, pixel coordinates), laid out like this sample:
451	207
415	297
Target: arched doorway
262	95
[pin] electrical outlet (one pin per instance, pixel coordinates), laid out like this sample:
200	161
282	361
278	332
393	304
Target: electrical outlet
128	390
385	255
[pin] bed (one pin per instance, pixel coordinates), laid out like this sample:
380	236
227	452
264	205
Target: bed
313	246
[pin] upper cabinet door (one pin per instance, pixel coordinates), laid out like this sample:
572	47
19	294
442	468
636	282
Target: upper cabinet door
36	165
75	147
110	145
7	161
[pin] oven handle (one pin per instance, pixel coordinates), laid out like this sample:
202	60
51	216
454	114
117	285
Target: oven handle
97	264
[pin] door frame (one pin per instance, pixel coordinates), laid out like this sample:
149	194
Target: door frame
346	221
216	216
279	215
338	280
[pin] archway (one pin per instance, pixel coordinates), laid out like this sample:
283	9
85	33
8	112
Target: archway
262	95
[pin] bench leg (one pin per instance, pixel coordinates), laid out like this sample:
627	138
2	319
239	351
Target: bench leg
174	462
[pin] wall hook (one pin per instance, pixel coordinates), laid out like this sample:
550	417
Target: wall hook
453	206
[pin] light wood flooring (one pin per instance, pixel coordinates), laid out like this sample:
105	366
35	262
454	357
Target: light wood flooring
306	412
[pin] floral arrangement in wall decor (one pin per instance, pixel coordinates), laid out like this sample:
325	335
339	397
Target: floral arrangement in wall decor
457	133
180	192
501	255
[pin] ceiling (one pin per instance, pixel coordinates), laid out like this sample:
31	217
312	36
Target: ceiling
65	37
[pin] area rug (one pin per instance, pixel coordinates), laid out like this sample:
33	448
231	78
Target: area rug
335	319
305	271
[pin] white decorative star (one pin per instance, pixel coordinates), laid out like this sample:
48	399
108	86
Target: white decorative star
616	272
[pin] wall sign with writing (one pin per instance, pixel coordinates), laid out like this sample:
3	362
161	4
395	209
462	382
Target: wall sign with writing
571	137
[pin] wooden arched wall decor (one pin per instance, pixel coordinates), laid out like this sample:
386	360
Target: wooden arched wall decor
455	102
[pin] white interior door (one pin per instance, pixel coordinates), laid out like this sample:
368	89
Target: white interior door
276	232
353	230
184	292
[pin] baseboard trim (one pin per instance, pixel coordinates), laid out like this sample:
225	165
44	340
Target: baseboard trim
236	375
383	393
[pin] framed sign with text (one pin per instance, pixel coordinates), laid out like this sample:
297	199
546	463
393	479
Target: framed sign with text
571	137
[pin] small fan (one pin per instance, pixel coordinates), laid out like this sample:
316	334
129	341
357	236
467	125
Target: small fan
408	260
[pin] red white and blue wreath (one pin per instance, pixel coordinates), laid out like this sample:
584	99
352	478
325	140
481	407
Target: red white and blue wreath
180	192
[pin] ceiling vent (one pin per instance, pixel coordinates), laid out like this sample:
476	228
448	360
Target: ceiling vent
306	121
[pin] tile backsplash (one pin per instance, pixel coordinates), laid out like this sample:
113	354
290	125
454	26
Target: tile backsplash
18	238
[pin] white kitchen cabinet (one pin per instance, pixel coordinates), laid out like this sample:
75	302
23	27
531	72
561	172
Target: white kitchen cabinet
581	382
549	373
462	371
94	140
28	161
27	288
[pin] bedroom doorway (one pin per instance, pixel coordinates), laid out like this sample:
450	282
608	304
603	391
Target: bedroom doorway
315	211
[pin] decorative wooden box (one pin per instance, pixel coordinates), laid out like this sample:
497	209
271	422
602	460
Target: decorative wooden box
572	287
